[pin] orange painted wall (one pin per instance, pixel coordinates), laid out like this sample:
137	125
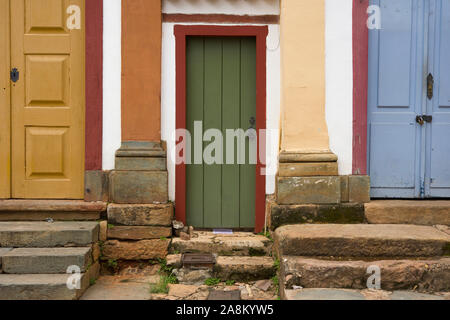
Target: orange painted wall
141	70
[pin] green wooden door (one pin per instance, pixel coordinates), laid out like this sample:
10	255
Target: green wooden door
221	93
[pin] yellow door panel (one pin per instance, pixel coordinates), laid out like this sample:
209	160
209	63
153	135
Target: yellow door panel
5	128
47	101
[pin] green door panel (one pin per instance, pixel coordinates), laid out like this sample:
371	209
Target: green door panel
221	92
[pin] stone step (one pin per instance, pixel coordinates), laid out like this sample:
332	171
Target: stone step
39	210
44	235
237	244
361	240
345	294
418	212
40	287
429	275
244	268
46	260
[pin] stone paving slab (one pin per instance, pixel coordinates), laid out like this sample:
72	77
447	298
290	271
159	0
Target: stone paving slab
345	294
361	240
423	275
244	268
3	251
120	288
43	234
46	260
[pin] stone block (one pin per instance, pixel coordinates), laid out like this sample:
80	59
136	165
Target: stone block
138	186
307	169
138	232
344	188
96	186
359	189
135	250
103	234
288	157
244	268
308	190
310	213
140	214
96	252
141	163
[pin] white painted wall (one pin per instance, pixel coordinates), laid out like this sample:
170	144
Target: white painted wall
168	72
241	7
112	65
339	80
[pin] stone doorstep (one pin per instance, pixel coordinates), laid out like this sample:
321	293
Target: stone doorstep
141	214
238	244
238	268
51	206
345	294
360	240
431	275
3	251
43	286
244	268
307	169
419	212
46	260
26	234
39	210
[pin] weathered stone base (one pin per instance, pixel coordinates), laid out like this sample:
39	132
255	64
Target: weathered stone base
138	232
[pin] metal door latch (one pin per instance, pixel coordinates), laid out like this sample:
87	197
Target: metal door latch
430	86
424	118
14	75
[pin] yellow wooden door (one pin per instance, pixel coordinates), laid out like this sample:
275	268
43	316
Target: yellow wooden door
47	102
5	128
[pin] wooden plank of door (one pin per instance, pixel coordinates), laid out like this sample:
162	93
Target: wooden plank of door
194	106
248	110
231	120
5	107
213	120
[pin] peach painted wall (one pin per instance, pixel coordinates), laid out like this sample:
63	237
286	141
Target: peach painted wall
141	70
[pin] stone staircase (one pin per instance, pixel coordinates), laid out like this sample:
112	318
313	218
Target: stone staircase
318	257
242	256
35	255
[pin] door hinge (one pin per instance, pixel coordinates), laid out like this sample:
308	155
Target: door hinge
14	75
430	86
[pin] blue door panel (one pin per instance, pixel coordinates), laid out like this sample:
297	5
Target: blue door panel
440	156
395	54
444	43
396	151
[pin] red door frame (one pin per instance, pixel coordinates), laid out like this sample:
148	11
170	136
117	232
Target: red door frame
360	83
260	32
94	84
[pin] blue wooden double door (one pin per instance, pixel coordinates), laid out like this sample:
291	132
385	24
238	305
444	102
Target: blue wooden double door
409	100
